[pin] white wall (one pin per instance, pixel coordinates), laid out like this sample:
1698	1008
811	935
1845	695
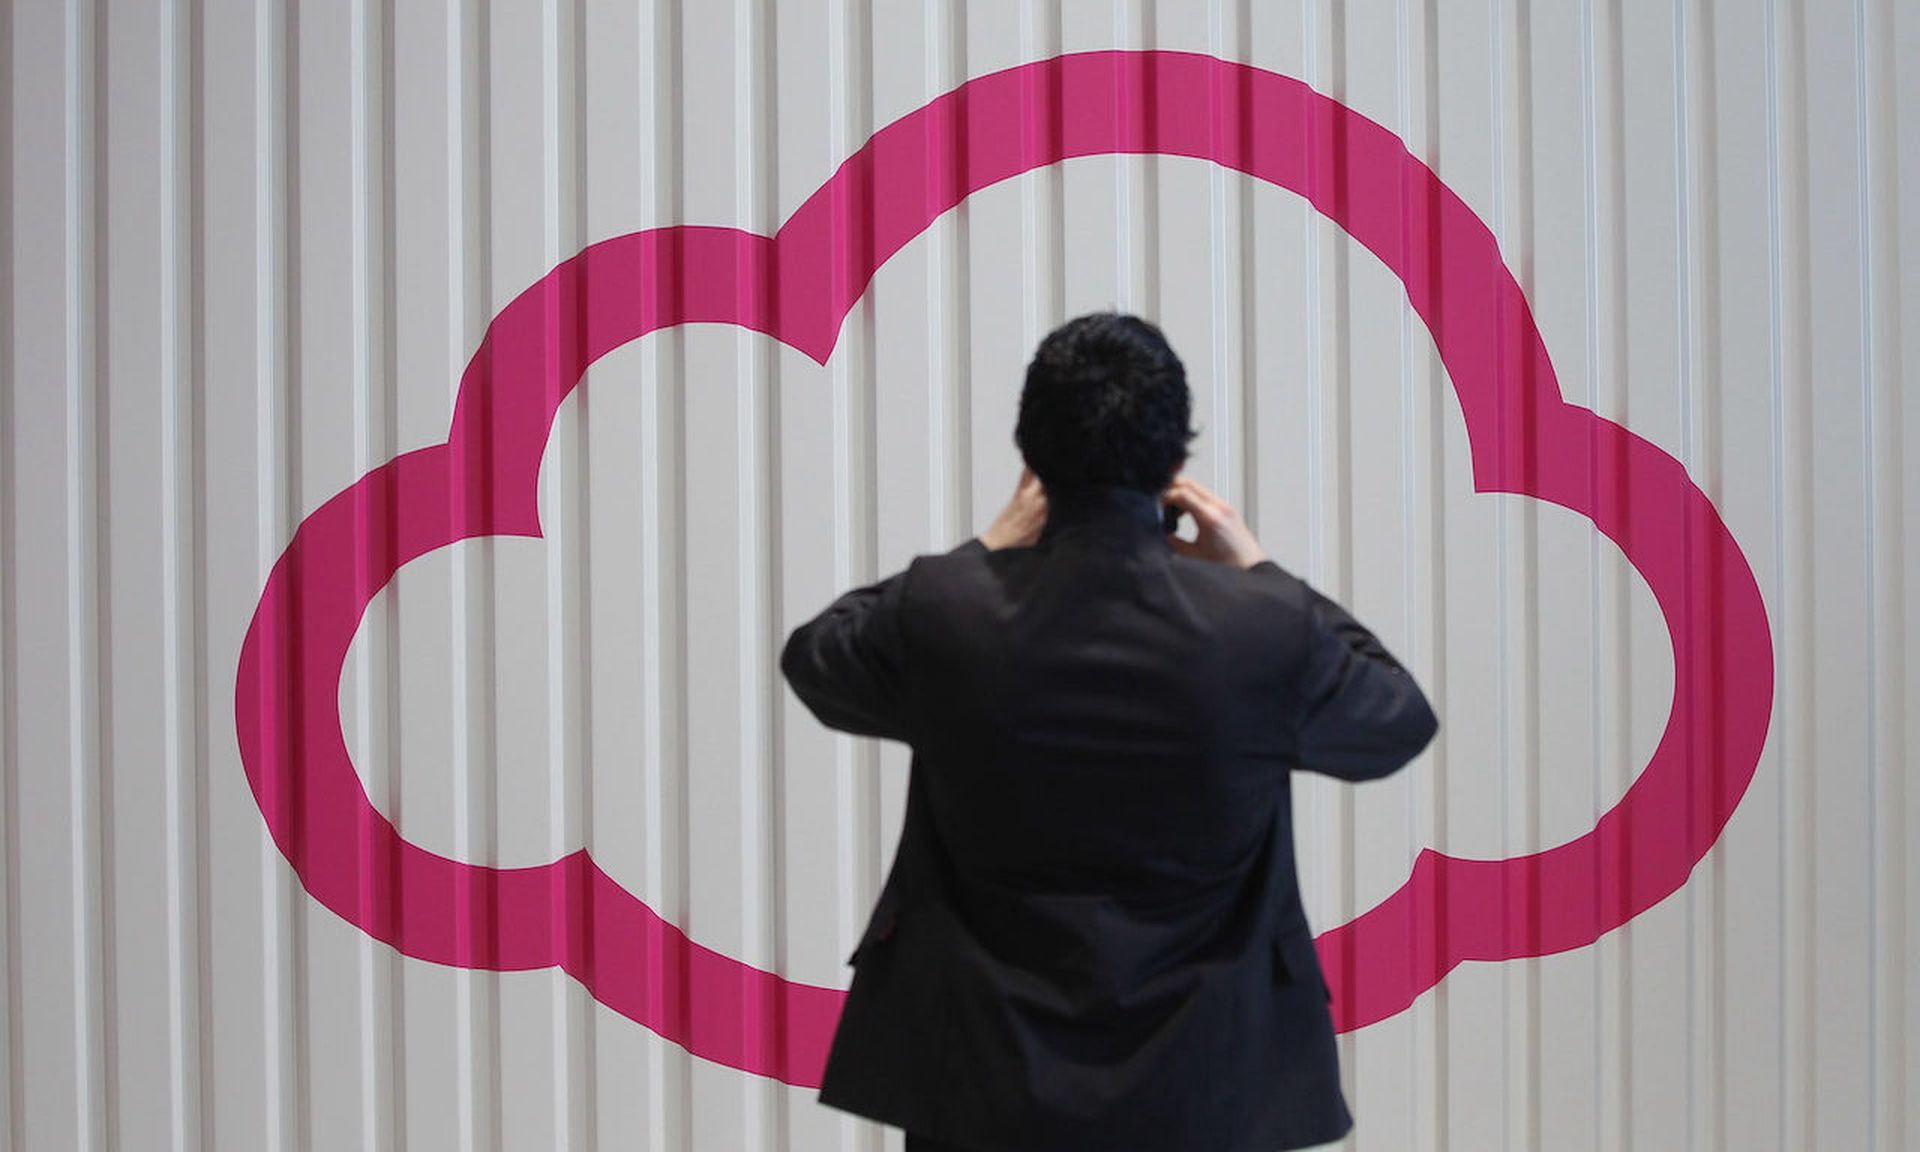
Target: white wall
252	248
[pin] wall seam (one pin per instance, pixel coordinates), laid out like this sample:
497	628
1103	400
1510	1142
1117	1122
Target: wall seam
183	576
1244	231
277	271
1685	338
1437	397
1880	216
1882	468
11	995
89	701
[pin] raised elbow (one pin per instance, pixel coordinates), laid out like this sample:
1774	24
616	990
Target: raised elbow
1425	726
793	660
1417	727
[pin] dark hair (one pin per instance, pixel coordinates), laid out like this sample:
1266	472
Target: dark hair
1105	402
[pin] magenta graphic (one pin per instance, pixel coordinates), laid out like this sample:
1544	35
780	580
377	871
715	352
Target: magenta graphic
797	286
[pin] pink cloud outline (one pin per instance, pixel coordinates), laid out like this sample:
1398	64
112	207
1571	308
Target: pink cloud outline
797	287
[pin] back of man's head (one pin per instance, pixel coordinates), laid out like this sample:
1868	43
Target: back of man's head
1105	402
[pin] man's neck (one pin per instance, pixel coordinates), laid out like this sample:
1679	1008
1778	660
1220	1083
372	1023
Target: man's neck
1114	510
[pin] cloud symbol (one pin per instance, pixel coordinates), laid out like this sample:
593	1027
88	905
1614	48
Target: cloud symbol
797	286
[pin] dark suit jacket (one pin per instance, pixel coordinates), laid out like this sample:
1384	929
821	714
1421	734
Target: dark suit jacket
1092	936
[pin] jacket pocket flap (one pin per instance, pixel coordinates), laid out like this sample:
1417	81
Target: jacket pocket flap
1294	962
1282	967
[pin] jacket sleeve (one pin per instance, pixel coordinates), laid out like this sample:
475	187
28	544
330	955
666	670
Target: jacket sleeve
849	664
1362	715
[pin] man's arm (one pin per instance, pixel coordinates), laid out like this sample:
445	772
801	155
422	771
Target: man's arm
848	665
1363	716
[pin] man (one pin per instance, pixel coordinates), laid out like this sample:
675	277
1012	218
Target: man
1092	936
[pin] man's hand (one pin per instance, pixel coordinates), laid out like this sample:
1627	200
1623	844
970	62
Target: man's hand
1020	521
1222	536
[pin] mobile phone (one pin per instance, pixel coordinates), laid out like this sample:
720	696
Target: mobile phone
1170	517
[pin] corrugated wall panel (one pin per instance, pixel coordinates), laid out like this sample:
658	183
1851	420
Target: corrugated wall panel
254	248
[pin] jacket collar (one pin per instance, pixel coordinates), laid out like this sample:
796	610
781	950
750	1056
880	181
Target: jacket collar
1110	511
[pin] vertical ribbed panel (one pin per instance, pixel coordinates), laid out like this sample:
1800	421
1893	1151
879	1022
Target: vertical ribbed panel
13	1123
251	247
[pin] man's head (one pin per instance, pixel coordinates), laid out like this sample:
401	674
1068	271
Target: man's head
1105	402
